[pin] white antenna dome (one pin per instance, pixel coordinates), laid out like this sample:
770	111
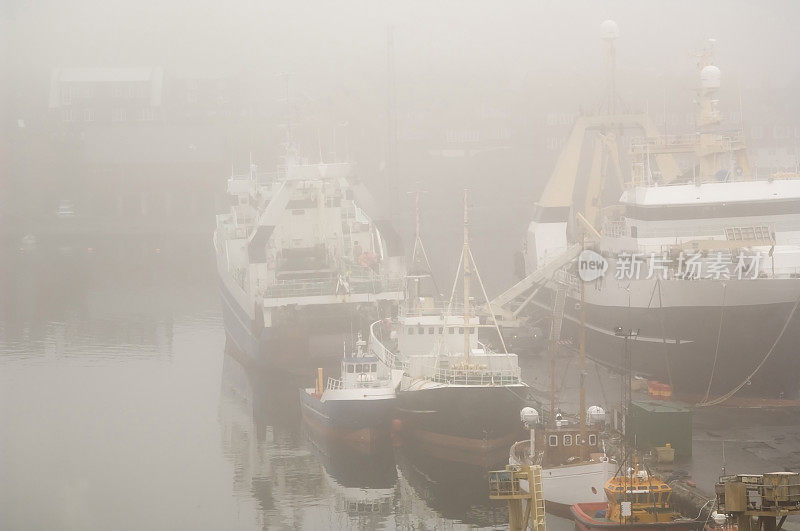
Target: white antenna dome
529	416
710	77
596	414
609	30
719	519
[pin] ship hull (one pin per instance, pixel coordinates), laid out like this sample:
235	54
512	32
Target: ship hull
462	423
584	516
301	336
362	424
678	341
570	484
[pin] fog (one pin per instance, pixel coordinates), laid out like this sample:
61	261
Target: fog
111	331
515	74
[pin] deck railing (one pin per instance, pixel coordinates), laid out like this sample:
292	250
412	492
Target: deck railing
379	350
352	285
474	376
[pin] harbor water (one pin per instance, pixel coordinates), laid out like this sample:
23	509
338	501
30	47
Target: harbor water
120	409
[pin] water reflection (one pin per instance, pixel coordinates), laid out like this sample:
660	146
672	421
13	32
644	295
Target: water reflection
113	365
302	478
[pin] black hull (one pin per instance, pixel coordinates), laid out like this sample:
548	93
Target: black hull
464	424
686	360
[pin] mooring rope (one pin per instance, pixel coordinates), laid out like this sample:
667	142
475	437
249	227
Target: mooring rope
719	338
736	389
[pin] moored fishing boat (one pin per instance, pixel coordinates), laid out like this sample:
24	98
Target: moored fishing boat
357	407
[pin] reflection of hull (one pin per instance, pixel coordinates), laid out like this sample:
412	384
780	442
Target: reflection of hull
298	337
456	491
585	520
462	424
363	424
686	358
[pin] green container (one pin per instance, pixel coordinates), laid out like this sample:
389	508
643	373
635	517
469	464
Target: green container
653	423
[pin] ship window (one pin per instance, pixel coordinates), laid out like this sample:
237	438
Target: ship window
592	440
431	330
567	440
350	368
421	330
553	440
411	330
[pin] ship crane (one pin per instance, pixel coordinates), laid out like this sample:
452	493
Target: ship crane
552	219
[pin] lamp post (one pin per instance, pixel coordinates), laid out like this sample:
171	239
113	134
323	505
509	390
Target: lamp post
625	371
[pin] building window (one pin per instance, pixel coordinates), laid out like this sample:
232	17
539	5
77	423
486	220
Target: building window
431	330
118	115
421	330
592	440
147	114
411	330
553	440
567	440
452	330
66	95
88	115
441	329
69	115
350	368
461	330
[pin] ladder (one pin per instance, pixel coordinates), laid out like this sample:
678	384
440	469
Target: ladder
525	507
559	303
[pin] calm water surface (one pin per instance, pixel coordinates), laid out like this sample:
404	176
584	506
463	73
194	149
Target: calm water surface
120	409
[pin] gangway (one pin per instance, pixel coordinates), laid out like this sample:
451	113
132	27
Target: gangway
508	305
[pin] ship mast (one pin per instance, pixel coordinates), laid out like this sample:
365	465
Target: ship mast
466	262
582	341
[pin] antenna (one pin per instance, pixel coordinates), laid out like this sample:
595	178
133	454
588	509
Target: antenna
466	262
391	112
609	32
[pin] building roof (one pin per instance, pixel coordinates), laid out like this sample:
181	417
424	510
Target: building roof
108	75
154	75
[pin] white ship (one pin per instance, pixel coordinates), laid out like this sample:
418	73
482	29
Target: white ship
458	398
301	264
703	257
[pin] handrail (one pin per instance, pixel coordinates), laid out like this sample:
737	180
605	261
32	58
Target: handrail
474	376
386	356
